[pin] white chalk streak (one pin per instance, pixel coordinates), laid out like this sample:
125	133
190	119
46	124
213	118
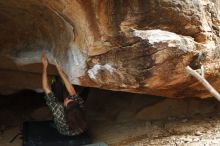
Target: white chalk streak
96	68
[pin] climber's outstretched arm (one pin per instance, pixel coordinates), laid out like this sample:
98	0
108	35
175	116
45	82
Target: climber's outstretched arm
45	84
66	81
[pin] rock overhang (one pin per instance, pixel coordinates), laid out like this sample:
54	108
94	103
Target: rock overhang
136	46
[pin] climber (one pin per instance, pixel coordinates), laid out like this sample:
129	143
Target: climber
69	118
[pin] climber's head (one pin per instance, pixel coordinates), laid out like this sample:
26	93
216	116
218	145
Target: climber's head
75	116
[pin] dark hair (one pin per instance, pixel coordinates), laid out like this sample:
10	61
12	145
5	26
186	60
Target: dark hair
83	92
75	116
58	88
61	92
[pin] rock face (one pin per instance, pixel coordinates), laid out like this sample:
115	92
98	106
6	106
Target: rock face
140	46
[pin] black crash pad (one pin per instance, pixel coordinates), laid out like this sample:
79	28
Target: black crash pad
43	133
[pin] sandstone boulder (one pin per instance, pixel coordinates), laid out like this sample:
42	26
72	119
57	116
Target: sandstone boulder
140	46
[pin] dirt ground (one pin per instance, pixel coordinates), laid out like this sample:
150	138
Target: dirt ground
189	122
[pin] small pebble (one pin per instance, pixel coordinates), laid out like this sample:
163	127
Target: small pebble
215	141
198	133
196	139
186	139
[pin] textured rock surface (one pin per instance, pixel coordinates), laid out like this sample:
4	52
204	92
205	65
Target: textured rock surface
136	46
